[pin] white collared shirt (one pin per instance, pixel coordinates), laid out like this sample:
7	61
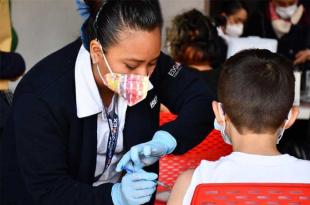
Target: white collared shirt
88	102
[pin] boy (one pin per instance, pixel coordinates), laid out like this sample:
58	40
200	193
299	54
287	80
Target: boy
256	94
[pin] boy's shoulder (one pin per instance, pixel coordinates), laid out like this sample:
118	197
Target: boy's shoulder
301	162
234	160
215	165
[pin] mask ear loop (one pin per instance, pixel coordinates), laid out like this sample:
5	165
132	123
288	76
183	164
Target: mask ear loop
151	72
96	29
226	138
221	111
101	77
283	128
106	62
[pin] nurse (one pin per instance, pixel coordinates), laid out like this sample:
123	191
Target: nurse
87	112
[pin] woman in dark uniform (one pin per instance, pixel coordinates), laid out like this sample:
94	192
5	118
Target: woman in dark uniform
79	110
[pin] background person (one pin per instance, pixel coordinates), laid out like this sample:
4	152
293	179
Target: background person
194	41
231	18
288	21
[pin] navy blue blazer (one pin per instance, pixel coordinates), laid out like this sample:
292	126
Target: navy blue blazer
49	154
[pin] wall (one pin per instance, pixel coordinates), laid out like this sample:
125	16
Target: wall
43	26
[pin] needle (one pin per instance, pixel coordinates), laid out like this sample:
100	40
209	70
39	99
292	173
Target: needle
158	182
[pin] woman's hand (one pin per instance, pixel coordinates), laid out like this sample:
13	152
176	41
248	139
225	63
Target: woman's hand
302	56
135	188
149	152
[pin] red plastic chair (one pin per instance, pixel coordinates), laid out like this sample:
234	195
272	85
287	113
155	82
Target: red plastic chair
171	166
211	148
251	194
165	117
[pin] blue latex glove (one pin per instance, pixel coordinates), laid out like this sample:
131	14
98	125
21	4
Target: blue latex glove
135	188
149	152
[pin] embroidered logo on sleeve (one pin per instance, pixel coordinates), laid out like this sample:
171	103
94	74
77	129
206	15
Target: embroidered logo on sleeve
174	71
153	102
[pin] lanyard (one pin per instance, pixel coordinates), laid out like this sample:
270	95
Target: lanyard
113	123
113	134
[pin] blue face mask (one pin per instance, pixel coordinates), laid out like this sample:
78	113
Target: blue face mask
221	128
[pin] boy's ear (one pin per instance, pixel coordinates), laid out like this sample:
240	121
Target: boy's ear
218	117
293	117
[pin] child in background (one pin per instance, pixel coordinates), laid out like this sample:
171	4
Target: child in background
194	42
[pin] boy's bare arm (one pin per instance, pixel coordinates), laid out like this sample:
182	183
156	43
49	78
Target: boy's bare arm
180	187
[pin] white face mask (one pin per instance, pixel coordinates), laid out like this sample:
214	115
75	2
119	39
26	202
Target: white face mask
282	129
221	128
286	12
234	30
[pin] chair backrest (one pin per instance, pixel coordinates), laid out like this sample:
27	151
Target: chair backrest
165	117
251	194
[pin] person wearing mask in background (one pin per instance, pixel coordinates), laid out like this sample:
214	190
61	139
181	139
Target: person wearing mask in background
288	21
194	41
231	19
87	112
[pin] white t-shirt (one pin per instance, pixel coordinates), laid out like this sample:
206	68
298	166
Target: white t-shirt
242	167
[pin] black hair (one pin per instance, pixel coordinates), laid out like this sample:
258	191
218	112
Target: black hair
193	39
109	17
229	7
256	88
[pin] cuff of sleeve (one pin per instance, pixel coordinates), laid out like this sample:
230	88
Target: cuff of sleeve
166	139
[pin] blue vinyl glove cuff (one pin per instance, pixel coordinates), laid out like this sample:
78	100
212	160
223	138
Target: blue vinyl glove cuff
148	153
166	139
117	197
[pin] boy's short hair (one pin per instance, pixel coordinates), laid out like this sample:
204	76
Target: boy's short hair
256	88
